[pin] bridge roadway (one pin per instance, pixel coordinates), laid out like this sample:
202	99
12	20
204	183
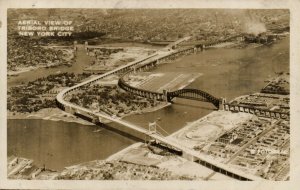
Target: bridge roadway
186	152
257	111
155	57
174	44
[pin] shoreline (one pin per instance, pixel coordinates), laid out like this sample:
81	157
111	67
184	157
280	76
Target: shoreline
59	115
147	110
224	120
51	114
123	151
137	144
32	68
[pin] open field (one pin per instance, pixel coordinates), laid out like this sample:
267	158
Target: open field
162	81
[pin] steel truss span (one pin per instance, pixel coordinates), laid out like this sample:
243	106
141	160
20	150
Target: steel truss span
194	94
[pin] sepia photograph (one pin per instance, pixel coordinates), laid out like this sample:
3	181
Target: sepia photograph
147	94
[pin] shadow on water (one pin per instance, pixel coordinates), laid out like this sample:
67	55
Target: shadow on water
194	104
110	128
120	132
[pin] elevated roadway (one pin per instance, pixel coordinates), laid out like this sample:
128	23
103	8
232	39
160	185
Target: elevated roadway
186	152
98	117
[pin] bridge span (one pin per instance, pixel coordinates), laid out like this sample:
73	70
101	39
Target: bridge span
195	94
257	111
99	117
192	94
186	152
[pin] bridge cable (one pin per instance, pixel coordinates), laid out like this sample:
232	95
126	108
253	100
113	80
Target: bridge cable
163	129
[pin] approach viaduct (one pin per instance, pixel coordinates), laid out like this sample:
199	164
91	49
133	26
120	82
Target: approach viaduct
97	117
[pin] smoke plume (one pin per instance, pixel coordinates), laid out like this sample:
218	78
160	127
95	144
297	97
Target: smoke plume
254	28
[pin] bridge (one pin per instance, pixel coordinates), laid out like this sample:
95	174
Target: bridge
151	60
216	42
194	94
257	111
174	44
186	152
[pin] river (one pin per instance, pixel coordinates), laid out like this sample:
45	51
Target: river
81	61
226	73
77	67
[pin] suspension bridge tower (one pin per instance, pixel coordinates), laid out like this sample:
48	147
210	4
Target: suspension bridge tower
152	127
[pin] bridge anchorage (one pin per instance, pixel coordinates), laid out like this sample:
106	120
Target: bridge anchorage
195	94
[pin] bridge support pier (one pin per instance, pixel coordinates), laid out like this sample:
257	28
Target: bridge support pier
70	110
165	96
86	46
222	103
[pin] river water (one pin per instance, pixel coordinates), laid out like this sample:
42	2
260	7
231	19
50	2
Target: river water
81	62
226	73
58	144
